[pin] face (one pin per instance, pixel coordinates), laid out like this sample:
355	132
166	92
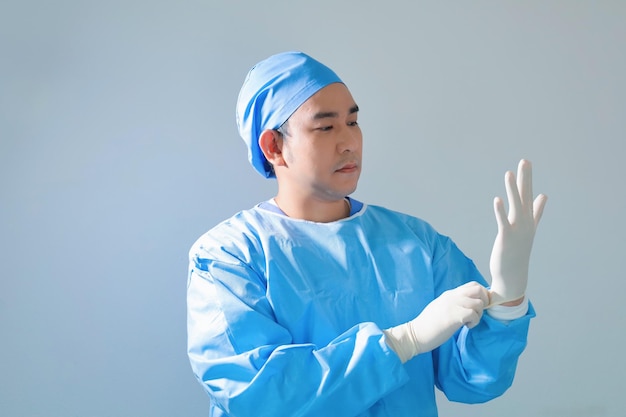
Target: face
323	145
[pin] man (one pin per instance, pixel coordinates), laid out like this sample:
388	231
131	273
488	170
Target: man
315	304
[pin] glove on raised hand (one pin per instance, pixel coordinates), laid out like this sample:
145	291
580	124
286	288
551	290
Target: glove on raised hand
438	321
511	250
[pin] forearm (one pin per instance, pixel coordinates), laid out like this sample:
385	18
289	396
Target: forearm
480	363
342	378
250	366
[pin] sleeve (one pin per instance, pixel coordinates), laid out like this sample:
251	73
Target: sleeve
478	364
248	364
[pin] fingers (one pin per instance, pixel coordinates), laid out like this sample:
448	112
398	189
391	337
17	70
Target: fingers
520	196
525	182
463	305
474	299
472	311
473	319
474	289
513	195
538	205
501	216
526	187
495	299
483	294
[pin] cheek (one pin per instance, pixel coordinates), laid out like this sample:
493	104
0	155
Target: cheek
302	154
360	137
288	152
287	155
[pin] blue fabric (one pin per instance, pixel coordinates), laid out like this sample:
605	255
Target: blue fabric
274	89
285	318
355	206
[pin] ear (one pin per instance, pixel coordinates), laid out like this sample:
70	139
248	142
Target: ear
271	144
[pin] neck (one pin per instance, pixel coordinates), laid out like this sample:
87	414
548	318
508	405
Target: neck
321	211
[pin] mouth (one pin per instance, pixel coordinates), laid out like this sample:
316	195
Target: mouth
348	168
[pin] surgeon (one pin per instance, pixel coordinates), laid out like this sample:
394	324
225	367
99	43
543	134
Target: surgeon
315	304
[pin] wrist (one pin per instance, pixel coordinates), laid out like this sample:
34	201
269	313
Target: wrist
401	340
507	313
514	302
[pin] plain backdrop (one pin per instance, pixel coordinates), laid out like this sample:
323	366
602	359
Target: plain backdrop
118	148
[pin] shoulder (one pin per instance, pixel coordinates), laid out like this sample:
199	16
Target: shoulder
235	236
390	217
394	224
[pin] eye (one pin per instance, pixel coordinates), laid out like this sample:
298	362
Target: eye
325	128
354	123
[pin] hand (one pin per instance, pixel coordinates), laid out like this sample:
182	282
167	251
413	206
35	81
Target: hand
516	231
440	319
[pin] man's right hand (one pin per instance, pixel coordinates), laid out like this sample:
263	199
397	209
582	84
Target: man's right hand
440	319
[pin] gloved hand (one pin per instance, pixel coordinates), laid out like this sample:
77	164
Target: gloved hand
438	321
511	250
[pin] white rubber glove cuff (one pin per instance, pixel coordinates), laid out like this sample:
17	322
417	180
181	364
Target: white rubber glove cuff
508	313
401	340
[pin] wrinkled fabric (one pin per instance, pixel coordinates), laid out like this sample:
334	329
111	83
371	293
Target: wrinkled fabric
285	318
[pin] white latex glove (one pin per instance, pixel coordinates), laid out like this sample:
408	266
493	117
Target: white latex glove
511	250
440	319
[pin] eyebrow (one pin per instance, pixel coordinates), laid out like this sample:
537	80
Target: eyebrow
327	114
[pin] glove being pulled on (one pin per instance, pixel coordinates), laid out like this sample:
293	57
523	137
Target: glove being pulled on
441	318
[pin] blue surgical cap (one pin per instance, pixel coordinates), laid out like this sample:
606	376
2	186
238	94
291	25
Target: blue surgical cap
274	89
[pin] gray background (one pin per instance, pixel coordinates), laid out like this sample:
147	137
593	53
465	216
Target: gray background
119	148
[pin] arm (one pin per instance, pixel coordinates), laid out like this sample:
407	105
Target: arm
478	363
250	366
489	352
474	355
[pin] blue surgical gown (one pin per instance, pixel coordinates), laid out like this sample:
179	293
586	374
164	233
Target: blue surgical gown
285	318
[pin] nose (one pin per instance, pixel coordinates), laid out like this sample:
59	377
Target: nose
350	139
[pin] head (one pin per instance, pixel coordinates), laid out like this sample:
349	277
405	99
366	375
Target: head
316	154
272	91
299	121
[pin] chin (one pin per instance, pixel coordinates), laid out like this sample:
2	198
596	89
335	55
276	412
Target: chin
351	190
